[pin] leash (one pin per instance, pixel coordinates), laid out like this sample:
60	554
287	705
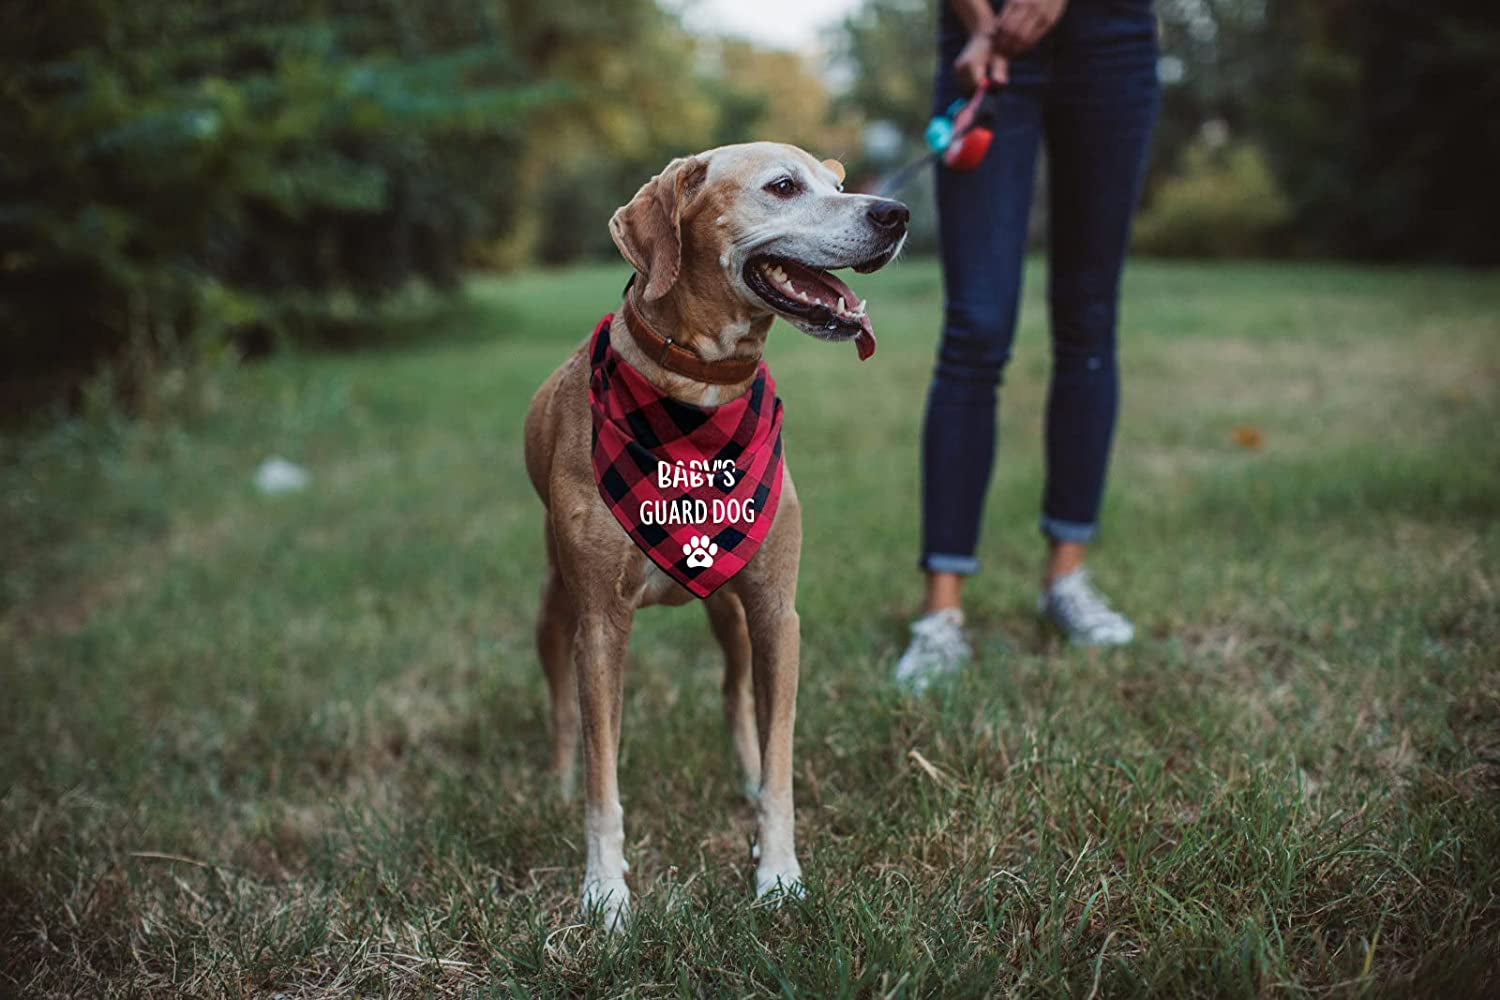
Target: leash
960	137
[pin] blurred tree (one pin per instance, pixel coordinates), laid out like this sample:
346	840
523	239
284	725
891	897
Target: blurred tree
643	91
1217	64
1383	126
768	94
635	100
1378	116
1220	201
174	170
889	48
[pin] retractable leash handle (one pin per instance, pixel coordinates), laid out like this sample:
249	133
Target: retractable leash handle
969	135
959	137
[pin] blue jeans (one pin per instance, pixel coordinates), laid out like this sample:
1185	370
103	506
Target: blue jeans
1089	90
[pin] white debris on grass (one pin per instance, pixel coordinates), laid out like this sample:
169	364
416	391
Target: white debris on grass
277	475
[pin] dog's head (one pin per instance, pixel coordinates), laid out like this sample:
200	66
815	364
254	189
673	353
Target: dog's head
757	228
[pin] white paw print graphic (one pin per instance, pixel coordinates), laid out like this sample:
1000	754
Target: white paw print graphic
700	552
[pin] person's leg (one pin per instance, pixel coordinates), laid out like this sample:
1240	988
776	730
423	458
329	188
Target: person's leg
982	218
1098	120
944	589
1062	558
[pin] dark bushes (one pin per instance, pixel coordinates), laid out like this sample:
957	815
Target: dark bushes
175	172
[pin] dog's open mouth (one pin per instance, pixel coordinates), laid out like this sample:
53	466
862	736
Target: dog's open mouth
814	299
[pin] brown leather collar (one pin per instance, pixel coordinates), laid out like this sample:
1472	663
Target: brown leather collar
676	358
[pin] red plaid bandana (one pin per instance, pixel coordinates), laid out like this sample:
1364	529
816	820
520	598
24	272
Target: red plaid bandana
695	487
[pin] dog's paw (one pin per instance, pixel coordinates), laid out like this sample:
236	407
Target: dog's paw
775	884
700	551
608	901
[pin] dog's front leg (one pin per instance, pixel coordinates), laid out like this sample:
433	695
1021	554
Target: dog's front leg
774	640
727	615
600	647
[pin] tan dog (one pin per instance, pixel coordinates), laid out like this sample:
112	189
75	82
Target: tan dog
722	242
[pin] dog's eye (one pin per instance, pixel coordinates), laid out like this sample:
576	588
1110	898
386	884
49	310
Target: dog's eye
783	187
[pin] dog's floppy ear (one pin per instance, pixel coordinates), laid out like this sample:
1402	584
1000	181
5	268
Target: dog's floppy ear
836	167
648	229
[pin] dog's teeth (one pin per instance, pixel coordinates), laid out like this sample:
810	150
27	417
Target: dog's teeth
778	276
841	303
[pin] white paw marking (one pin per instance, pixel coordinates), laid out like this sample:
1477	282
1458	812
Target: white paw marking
609	900
777	885
700	551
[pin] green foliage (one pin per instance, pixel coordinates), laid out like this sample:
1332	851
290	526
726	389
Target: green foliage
1383	127
1220	202
1377	117
642	91
1226	62
175	172
889	46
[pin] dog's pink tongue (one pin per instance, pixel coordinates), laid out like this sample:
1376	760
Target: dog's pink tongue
864	340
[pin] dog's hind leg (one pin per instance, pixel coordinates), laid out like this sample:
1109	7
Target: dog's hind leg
727	616
556	622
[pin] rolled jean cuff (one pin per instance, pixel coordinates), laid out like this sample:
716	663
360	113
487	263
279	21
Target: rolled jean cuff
944	562
1068	531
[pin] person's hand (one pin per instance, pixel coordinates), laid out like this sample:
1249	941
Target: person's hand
1022	23
978	61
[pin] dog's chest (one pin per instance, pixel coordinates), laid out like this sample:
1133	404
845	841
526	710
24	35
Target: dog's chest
659	588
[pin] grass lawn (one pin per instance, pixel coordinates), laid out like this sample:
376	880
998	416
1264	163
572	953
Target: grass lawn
294	745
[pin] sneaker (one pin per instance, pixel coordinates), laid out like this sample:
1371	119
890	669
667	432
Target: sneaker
937	648
1081	613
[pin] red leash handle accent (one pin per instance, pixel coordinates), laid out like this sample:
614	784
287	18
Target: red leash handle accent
970	142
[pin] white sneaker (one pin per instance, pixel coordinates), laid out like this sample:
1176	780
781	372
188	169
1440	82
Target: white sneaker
937	648
1081	613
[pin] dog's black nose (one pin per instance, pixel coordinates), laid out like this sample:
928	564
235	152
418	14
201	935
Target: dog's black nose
888	214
